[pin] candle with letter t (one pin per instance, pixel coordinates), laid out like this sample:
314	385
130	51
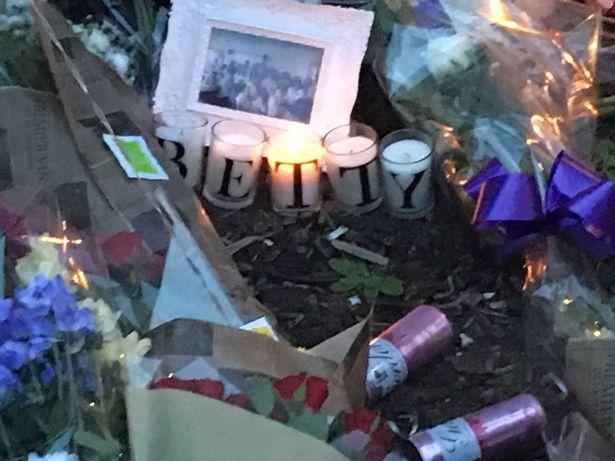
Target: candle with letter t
234	163
406	159
294	163
352	167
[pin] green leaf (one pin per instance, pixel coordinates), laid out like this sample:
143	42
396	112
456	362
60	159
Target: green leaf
262	396
346	284
299	394
343	266
371	294
314	424
392	286
372	281
102	447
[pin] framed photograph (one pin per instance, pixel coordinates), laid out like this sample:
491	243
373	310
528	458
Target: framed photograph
278	63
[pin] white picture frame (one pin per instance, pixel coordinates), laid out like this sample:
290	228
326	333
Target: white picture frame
313	51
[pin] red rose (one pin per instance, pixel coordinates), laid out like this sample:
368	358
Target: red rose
383	435
240	400
316	392
205	387
376	452
286	387
121	246
209	388
360	419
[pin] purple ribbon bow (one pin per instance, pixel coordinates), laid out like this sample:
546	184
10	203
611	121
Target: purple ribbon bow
579	205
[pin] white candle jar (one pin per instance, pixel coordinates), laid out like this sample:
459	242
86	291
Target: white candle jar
406	158
233	164
352	166
294	164
182	135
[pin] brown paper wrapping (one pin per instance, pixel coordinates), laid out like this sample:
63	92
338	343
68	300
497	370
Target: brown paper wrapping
343	365
131	201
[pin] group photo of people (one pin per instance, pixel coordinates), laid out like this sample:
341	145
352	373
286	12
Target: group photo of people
260	75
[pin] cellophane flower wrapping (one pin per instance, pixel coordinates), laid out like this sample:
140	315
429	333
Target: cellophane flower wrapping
515	81
85	271
512	80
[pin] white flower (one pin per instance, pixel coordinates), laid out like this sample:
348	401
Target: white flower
97	42
58	456
115	346
43	259
106	319
119	60
446	55
130	345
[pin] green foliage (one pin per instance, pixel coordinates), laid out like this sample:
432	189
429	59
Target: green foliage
314	424
262	396
604	158
356	276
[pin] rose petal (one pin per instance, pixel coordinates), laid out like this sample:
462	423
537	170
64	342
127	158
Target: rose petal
317	391
287	386
360	419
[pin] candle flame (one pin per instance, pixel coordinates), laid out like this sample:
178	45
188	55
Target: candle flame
534	272
77	275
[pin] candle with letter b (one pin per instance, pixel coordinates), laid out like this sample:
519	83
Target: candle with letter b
407	157
352	167
234	163
294	163
182	136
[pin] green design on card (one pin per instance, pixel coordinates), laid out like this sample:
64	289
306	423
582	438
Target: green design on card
137	158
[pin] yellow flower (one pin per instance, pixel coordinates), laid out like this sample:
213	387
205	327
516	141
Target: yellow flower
130	345
115	346
42	260
106	319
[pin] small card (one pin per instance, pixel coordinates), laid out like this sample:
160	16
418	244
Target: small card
262	327
135	157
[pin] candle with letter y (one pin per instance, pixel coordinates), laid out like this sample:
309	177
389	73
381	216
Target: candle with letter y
407	157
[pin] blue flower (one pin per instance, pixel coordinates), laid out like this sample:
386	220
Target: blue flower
24	323
38	296
69	317
8	381
13	354
5	309
37	347
47	374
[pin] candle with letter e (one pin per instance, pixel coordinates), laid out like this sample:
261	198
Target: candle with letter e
234	163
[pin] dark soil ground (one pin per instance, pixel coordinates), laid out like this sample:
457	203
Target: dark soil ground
439	261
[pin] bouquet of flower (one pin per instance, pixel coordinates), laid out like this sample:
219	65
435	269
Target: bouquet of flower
61	356
289	408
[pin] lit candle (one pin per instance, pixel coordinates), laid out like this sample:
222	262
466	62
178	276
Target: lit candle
182	135
352	167
294	163
407	163
234	162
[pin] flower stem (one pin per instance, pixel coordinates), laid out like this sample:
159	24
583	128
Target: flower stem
59	371
6	440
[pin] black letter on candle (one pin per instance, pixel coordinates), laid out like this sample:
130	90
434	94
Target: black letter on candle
297	181
180	151
226	178
410	190
366	190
